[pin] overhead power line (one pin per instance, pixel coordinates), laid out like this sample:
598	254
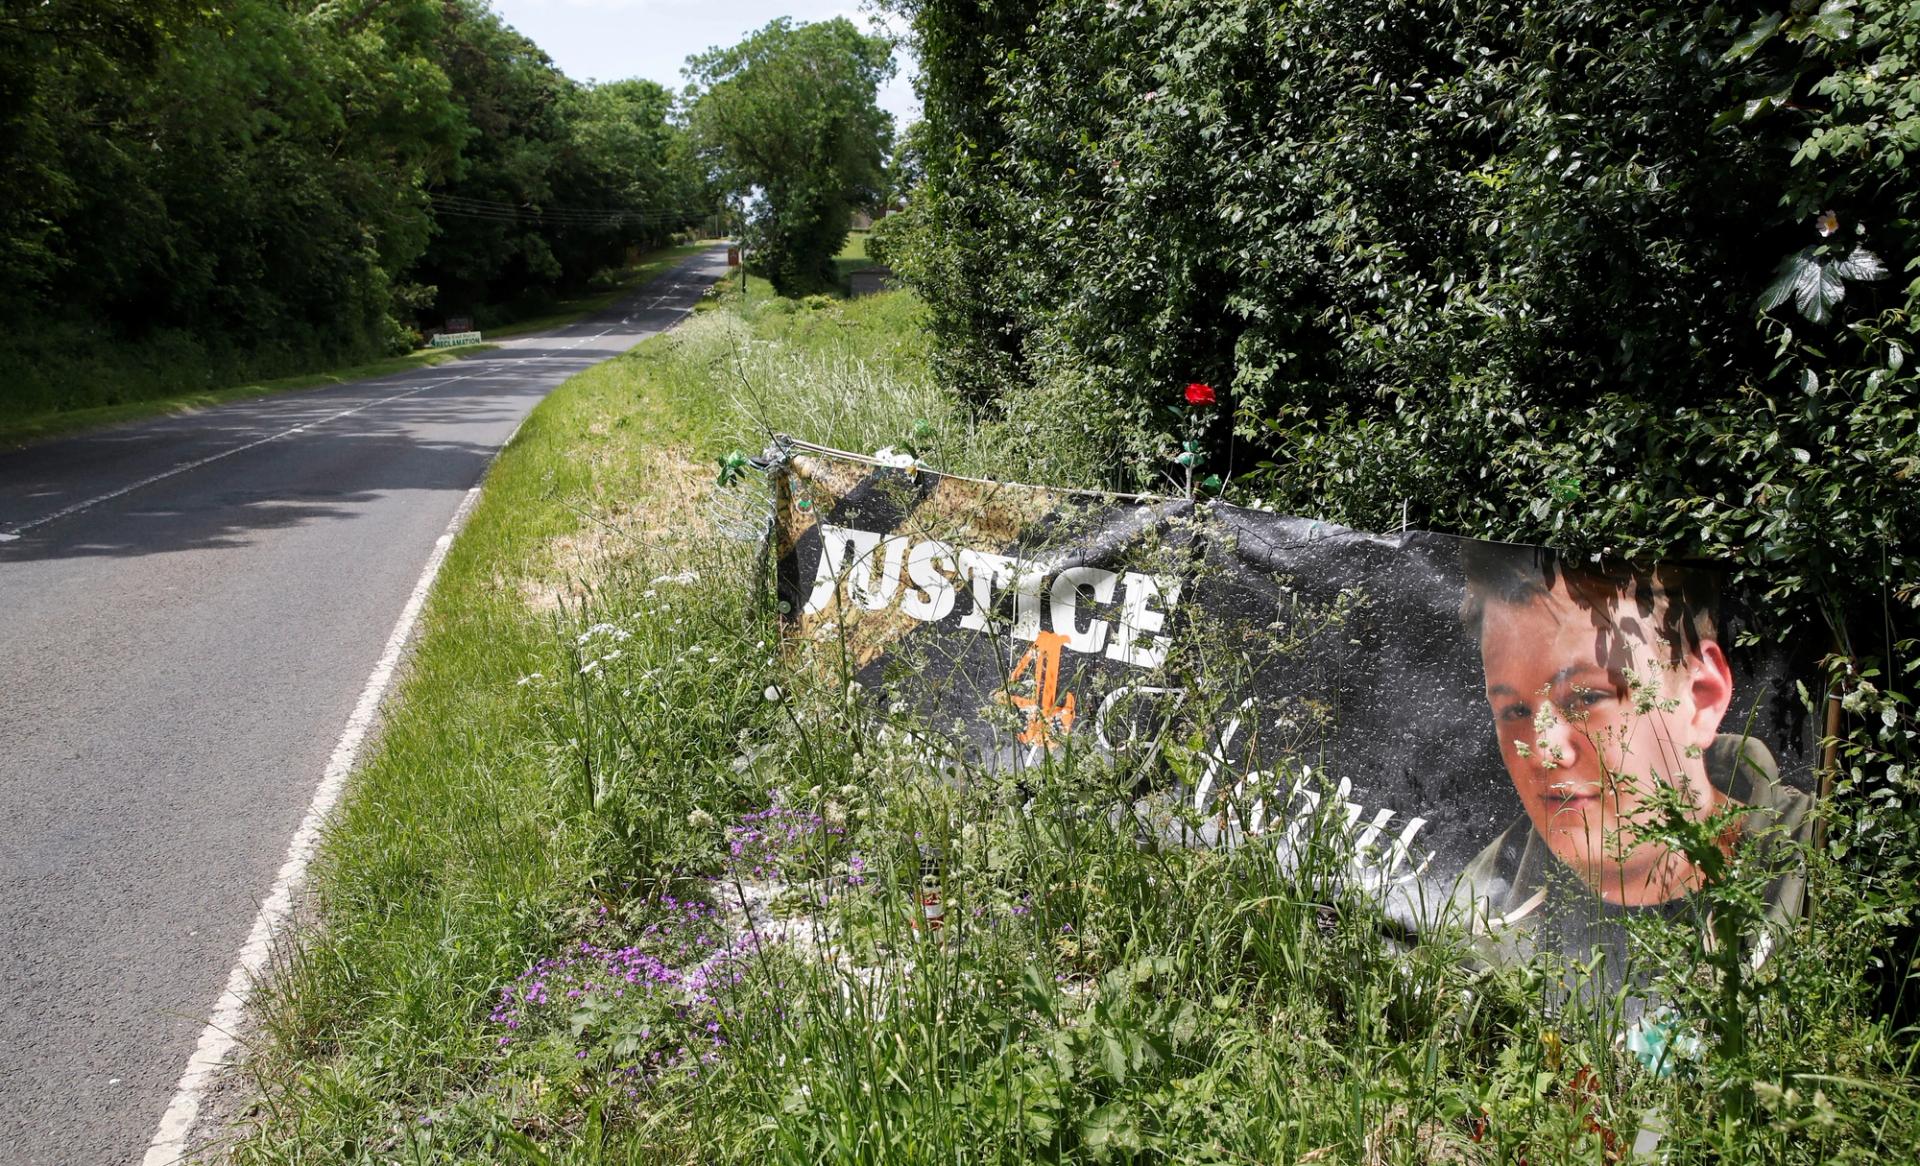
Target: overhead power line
608	220
487	210
542	211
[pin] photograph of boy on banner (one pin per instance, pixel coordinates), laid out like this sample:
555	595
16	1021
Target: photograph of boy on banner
1603	685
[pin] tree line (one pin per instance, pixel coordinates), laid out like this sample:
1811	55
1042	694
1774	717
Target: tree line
195	193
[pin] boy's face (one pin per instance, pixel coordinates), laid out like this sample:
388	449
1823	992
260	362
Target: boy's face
1592	708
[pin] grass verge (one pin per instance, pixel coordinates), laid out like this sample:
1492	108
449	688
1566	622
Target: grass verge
620	884
467	848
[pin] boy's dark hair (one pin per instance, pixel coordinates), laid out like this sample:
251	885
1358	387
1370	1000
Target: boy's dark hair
1680	602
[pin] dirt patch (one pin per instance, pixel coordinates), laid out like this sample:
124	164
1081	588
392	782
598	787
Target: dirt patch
666	506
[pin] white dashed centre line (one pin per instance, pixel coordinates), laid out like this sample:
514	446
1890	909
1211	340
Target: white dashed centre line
14	532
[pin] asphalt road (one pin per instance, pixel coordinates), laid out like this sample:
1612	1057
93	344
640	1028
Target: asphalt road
189	610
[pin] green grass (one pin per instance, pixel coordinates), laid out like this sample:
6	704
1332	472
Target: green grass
467	847
43	425
852	258
597	708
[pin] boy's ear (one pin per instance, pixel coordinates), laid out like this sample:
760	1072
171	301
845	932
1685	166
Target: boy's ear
1710	681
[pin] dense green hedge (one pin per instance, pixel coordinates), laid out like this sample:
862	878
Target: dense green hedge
1501	264
1607	276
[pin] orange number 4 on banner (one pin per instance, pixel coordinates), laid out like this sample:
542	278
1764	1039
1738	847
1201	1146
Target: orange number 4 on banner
1043	714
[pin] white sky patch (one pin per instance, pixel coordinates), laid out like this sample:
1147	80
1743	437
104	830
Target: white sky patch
610	40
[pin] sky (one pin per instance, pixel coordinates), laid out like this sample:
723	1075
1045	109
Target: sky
610	40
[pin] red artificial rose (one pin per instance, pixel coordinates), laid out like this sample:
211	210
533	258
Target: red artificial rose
1199	394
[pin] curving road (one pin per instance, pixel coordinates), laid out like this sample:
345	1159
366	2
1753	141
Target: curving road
189	610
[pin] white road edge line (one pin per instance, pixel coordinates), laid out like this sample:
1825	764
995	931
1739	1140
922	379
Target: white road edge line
222	1032
217	1040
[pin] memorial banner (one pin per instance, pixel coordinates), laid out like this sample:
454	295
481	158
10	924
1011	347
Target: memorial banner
1491	725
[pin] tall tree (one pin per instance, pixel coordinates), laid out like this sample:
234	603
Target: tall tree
555	180
65	66
790	120
199	192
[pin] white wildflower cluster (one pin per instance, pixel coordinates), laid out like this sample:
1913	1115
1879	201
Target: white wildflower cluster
1865	699
614	632
603	633
1544	719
